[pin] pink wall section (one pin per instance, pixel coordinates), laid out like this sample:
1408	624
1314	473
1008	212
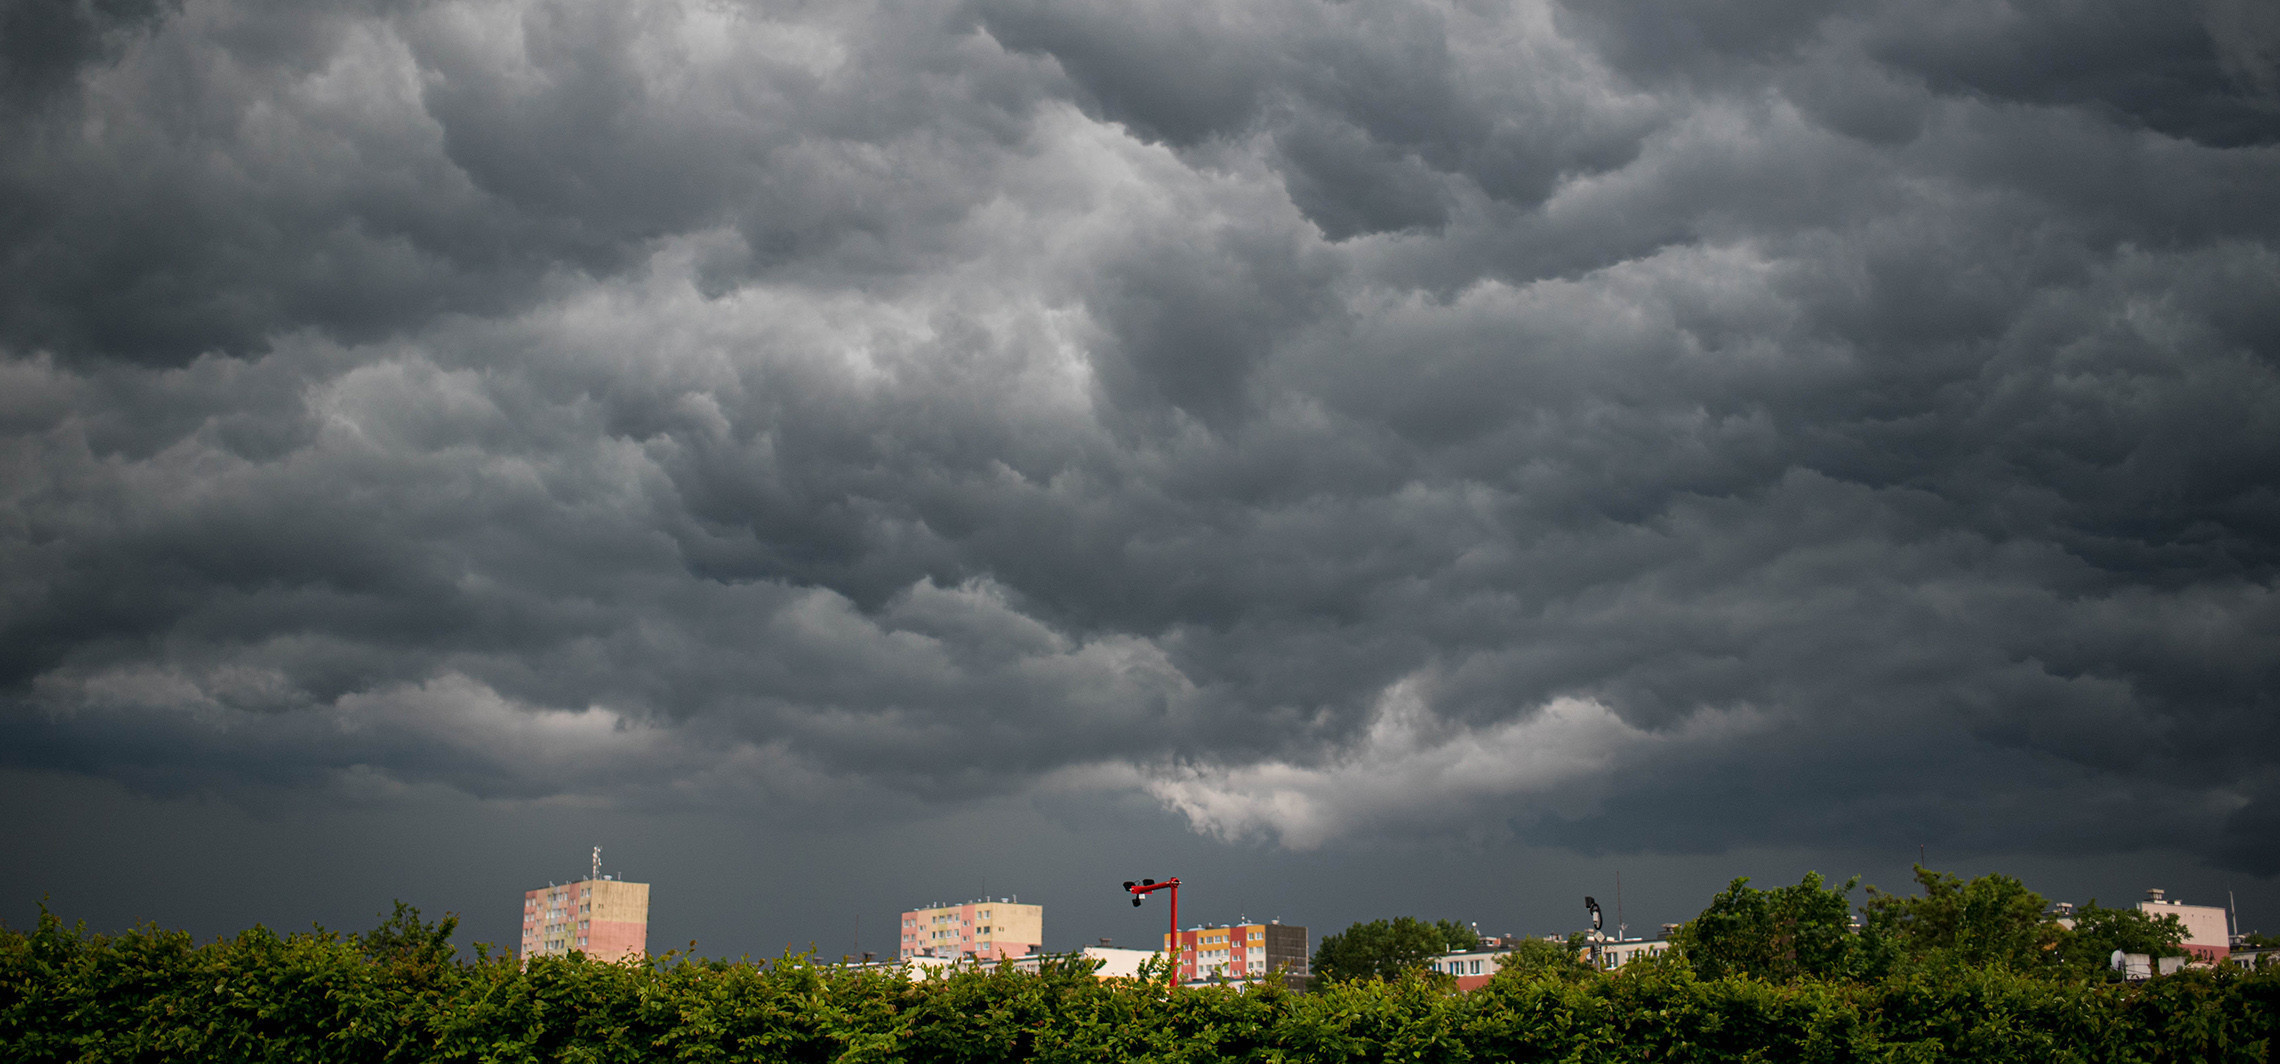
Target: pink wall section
612	939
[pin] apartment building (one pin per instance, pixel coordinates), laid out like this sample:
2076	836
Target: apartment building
600	916
1242	953
989	929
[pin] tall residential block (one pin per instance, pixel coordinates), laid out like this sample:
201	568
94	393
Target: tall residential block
601	916
1243	953
987	930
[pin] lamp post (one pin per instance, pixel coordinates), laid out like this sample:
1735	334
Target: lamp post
1146	887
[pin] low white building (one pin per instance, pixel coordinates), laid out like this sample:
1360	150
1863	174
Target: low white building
1114	963
1473	968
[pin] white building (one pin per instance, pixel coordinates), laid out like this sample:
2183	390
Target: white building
1473	968
1114	963
1616	953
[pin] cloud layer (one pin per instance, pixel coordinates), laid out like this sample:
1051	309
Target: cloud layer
1639	425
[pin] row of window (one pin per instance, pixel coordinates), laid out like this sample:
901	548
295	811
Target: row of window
554	896
950	917
1255	954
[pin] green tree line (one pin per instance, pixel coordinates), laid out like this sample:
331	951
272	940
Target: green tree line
1994	921
401	993
1811	930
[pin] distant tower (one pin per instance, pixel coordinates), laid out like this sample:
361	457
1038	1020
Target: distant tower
601	917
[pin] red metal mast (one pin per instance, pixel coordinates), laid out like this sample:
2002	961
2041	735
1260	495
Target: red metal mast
1149	886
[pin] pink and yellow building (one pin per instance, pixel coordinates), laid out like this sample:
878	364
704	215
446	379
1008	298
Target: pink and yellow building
601	917
991	929
1242	953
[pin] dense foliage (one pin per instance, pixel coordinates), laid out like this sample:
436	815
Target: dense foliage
398	995
1384	949
1993	919
1808	931
1784	933
1539	958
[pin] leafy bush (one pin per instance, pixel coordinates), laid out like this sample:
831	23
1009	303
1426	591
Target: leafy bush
1386	949
1784	933
1532	957
2098	931
1993	919
398	994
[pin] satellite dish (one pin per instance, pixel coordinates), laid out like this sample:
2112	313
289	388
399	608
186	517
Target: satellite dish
1592	904
1128	884
1135	903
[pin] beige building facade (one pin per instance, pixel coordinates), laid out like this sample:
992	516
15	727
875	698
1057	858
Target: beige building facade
2208	932
990	929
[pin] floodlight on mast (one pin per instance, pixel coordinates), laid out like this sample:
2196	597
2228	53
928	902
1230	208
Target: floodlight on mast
1145	887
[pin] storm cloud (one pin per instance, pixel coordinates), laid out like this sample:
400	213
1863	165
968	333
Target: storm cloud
1640	426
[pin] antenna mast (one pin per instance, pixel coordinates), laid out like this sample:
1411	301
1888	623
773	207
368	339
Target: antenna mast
597	862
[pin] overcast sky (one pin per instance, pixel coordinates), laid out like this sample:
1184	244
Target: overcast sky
1365	458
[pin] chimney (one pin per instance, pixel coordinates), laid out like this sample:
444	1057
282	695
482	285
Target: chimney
2155	895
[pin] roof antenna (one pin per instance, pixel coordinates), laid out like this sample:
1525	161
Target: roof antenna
597	862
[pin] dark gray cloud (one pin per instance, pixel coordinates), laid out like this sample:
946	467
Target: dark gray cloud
43	46
1629	427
